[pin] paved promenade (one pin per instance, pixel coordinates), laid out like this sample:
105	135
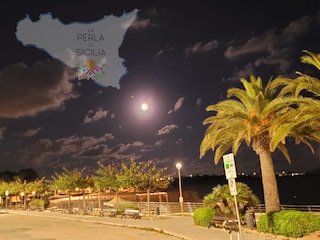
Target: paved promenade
181	227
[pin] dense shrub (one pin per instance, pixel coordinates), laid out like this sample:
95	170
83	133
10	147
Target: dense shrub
39	203
290	223
221	198
203	215
123	206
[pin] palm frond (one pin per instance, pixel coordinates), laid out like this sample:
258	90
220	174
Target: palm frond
306	82
241	95
249	87
312	58
220	150
284	151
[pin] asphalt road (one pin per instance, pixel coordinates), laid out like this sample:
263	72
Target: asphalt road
23	227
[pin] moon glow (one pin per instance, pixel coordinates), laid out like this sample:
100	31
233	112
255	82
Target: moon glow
144	107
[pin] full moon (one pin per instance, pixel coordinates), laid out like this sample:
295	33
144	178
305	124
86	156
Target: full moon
144	106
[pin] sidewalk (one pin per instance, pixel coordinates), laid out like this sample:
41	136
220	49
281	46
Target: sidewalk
182	227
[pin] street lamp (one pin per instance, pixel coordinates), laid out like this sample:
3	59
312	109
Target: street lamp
178	166
23	199
7	194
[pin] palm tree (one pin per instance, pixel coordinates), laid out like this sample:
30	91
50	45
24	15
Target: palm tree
306	121
221	197
303	82
253	116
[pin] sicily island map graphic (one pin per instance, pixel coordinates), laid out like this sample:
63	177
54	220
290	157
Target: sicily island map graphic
90	47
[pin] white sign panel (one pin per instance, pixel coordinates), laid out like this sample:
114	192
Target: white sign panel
229	166
232	186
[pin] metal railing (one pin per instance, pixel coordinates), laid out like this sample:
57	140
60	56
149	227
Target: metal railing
303	208
89	204
174	207
164	207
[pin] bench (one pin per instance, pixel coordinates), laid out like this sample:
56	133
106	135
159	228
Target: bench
135	214
96	211
53	209
109	209
56	209
75	210
226	221
35	208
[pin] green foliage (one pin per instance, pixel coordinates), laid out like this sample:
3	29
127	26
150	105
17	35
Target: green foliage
203	215
245	116
70	180
39	203
311	58
144	175
290	223
4	186
18	186
123	206
106	177
222	198
263	117
303	123
36	186
218	194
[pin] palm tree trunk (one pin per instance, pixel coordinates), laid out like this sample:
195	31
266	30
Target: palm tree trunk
269	182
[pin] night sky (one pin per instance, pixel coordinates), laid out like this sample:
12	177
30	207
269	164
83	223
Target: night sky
180	56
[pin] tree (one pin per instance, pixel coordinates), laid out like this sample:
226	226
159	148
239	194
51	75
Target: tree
253	116
18	187
306	124
28	174
303	83
106	178
308	87
144	176
70	181
37	186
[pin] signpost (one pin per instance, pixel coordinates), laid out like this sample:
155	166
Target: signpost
229	166
231	175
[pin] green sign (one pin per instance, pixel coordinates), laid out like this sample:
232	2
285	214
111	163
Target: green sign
229	166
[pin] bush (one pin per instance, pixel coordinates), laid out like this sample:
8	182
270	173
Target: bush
290	223
220	197
123	206
203	215
39	203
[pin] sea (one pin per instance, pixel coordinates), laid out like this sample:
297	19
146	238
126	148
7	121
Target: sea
293	190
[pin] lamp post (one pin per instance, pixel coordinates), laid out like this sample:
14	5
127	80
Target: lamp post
23	199
178	166
7	194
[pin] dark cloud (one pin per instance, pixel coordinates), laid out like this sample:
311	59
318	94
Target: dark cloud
31	132
95	115
167	129
26	91
2	130
177	105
